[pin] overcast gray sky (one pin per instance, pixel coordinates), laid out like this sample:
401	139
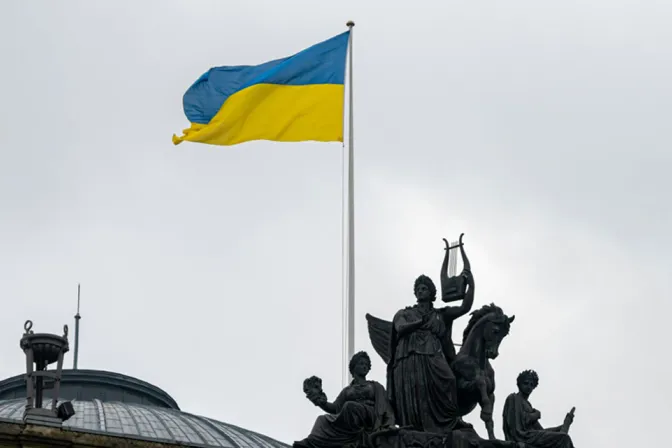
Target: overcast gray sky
540	129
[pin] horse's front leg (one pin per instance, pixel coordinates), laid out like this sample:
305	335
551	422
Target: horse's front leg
487	403
490	424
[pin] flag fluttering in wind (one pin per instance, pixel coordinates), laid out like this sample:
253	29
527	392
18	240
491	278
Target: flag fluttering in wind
298	98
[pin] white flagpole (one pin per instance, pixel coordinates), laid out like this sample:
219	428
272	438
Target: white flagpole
350	279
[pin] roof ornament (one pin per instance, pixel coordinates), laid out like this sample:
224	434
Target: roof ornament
43	349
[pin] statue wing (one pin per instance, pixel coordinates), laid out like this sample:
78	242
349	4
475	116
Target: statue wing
380	334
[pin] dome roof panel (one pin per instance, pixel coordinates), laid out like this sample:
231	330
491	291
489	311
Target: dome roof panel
210	434
12	410
149	423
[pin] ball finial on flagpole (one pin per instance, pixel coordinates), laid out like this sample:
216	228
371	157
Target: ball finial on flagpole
350	24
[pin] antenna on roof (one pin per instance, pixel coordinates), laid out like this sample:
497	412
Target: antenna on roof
77	317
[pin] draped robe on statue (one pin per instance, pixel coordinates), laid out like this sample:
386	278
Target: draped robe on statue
421	384
520	426
361	409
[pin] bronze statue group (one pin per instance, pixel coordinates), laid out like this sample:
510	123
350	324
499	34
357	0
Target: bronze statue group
430	386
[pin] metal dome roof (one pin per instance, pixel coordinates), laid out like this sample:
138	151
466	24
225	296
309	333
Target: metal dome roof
88	384
150	423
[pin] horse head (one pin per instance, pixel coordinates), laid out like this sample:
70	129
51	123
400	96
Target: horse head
485	331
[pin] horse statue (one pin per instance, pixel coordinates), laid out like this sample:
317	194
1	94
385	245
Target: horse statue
475	376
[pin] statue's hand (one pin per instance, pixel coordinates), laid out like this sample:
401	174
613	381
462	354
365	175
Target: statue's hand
312	387
468	276
569	418
318	398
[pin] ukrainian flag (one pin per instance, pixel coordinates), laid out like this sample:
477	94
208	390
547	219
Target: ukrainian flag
299	98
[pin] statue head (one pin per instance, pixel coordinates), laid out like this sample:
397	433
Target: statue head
360	364
424	289
527	381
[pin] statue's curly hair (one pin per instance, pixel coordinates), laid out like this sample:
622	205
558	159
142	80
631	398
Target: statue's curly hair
531	374
355	359
424	280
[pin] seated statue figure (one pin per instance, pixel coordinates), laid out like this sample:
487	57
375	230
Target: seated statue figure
521	420
361	409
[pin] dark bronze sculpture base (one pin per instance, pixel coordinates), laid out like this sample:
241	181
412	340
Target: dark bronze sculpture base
408	438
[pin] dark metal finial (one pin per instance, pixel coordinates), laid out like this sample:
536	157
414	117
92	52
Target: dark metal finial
77	318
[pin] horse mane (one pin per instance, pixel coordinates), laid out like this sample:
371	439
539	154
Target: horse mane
479	314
